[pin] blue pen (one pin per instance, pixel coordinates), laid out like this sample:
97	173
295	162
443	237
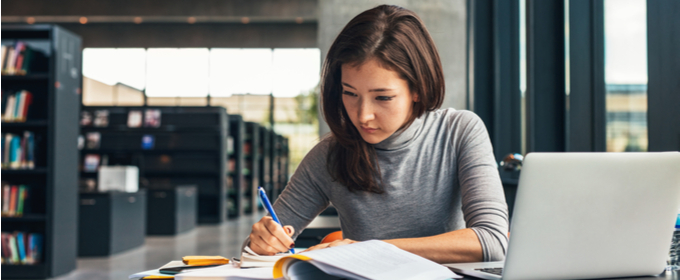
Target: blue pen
270	209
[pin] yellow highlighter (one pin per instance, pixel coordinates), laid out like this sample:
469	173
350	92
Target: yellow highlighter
157	277
204	260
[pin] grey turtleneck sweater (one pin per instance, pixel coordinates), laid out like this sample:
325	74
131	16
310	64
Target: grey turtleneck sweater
439	175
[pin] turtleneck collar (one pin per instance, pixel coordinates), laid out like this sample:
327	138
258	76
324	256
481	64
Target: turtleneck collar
401	138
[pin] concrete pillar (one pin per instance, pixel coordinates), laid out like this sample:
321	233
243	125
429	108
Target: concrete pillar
446	21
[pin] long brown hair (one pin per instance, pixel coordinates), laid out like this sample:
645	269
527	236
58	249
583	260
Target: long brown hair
398	39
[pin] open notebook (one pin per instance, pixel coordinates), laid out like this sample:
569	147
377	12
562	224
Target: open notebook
251	259
364	260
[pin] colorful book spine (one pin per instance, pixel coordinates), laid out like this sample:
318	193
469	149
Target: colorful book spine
6	192
15	200
36	247
9	108
21	248
18	151
18	59
23	193
30	151
15	153
8	149
16	106
4	56
14	257
10	59
6	254
12	200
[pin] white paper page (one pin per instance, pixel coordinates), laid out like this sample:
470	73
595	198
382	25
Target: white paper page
250	259
145	273
227	272
156	271
379	260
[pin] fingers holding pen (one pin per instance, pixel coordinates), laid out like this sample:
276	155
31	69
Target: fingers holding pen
280	234
266	236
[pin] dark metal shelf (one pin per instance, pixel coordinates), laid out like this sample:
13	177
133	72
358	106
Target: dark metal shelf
26	218
26	124
34	271
35	171
24	78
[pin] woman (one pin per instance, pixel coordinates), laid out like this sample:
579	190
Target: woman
396	168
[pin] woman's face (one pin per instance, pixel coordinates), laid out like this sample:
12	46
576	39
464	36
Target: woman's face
377	100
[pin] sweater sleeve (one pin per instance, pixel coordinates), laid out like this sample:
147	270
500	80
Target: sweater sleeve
483	200
303	198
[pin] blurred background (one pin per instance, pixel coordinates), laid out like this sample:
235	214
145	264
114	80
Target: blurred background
204	101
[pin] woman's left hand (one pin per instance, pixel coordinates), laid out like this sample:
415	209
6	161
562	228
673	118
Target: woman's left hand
331	244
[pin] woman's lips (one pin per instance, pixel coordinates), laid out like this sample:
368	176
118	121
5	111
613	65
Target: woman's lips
368	129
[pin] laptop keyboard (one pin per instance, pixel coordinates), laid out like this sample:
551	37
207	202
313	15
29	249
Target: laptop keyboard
496	270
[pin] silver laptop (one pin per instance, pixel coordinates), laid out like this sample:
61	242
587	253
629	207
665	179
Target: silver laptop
589	215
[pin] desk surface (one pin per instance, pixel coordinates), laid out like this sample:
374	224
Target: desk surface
668	275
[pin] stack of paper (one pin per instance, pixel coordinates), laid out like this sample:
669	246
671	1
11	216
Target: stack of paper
252	259
363	260
229	272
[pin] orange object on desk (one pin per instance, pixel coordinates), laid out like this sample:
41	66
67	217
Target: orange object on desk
204	260
333	236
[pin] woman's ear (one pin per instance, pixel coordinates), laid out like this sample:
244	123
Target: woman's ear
416	97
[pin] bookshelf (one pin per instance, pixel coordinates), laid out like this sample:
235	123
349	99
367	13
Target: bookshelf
54	80
285	162
235	164
280	164
186	147
265	161
252	159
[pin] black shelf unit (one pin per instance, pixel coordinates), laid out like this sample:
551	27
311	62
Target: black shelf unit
111	222
285	162
265	161
189	149
280	164
273	173
252	158
235	163
53	117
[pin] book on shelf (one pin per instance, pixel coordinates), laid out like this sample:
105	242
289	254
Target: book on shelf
91	162
85	118
152	118
101	118
247	148
15	200
93	140
134	118
18	152
230	145
15	105
148	141
20	59
81	142
21	248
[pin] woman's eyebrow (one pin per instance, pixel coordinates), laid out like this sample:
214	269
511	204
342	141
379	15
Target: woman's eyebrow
370	90
347	85
380	90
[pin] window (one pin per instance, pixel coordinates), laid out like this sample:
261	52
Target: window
626	74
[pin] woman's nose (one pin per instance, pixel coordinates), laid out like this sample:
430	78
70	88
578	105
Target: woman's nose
366	113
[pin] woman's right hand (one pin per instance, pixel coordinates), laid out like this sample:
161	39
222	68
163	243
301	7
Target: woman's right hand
268	237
